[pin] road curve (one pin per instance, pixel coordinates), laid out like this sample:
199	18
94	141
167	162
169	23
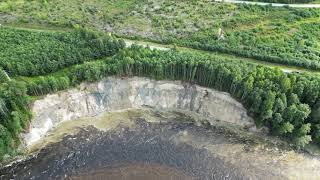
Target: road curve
272	4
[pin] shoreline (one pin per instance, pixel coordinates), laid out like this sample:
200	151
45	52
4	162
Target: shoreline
232	144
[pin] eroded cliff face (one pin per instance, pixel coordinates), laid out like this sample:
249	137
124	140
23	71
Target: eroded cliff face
106	124
112	94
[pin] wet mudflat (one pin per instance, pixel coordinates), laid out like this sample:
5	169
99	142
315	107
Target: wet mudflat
145	151
148	144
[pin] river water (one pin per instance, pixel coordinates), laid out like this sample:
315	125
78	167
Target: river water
141	144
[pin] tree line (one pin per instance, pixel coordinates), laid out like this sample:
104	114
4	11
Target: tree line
278	100
14	115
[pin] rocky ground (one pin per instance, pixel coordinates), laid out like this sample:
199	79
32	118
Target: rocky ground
112	94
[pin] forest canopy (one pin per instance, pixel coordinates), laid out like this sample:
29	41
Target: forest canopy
28	53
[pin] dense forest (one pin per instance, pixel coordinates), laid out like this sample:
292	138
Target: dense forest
275	34
30	53
14	114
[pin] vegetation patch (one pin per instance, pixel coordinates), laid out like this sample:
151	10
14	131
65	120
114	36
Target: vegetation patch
31	53
274	34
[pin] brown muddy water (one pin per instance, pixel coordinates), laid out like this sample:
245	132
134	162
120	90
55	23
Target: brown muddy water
148	145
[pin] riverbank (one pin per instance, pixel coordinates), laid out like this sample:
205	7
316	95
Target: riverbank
176	144
112	94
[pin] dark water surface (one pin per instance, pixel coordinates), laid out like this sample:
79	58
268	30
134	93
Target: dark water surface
145	151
